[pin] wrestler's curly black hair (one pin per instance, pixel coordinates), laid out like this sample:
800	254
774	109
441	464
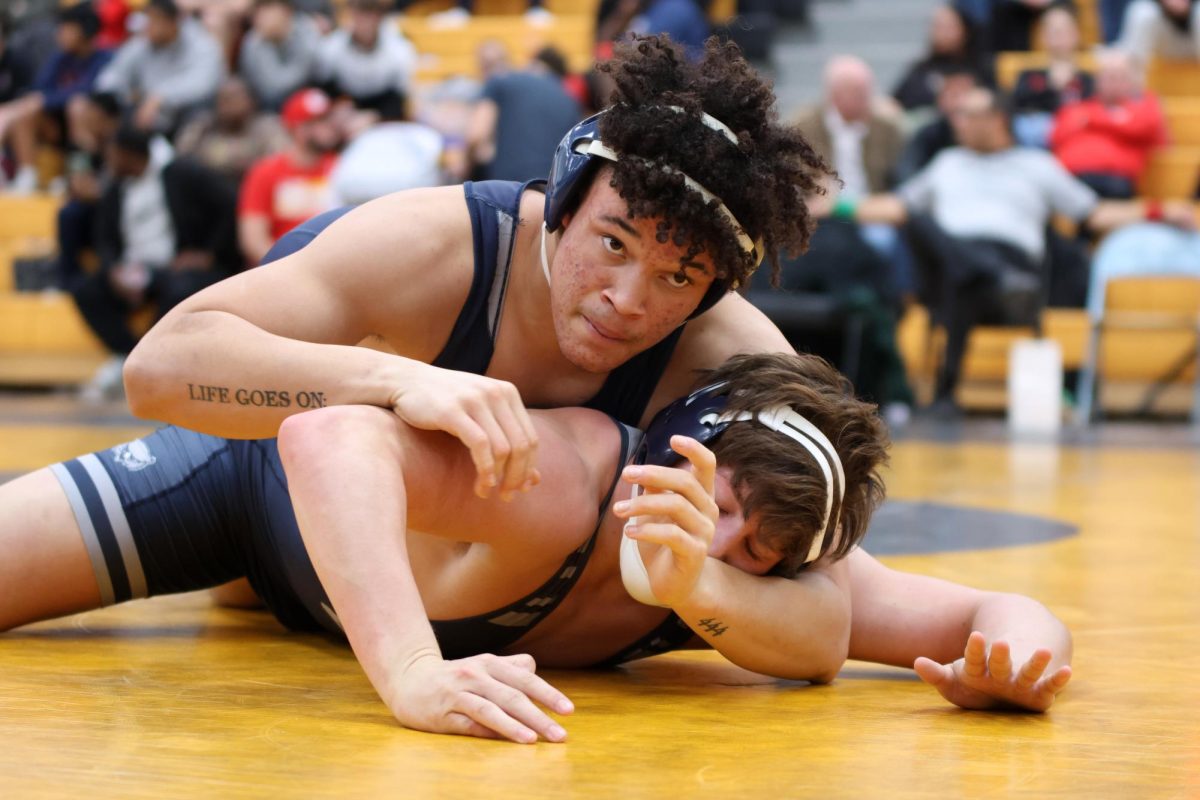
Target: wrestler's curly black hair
763	179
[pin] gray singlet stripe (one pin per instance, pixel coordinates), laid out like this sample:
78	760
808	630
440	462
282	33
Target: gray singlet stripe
90	541
120	524
504	232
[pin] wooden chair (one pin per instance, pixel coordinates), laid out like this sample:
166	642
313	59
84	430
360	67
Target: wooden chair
1183	119
1174	78
1171	174
1163	314
28	216
450	51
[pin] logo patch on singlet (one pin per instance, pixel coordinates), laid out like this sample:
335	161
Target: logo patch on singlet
134	456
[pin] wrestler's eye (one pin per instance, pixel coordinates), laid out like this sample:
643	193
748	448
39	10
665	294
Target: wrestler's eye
613	245
679	280
750	551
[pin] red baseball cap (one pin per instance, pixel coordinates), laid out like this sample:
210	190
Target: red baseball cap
304	106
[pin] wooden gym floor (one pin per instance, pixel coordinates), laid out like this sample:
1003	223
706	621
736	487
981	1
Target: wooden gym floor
173	698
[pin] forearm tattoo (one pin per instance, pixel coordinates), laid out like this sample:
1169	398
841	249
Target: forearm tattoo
713	626
259	398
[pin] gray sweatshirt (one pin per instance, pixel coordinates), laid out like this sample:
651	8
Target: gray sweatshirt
184	74
276	69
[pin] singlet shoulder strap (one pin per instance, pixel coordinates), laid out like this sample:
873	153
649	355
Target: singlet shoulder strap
495	210
492	632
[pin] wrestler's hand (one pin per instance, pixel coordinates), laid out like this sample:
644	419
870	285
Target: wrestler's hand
982	680
487	696
677	512
483	413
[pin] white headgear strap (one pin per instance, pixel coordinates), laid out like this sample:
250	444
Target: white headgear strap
783	420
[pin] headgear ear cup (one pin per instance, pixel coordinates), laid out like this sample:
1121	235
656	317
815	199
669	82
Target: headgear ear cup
571	171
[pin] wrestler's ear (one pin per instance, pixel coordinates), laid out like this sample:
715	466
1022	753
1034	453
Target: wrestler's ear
566	220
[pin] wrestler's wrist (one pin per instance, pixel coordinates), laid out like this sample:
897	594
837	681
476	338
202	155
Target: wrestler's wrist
391	377
703	601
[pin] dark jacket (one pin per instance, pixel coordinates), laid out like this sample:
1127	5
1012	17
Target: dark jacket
203	211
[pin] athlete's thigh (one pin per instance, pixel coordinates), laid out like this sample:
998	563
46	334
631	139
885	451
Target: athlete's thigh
45	570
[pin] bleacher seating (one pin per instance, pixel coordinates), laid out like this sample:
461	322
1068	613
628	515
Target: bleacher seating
1149	331
451	51
43	340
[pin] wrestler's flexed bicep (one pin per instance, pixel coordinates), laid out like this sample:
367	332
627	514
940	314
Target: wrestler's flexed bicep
241	356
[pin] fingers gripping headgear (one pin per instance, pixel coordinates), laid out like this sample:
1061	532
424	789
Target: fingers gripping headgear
702	416
581	153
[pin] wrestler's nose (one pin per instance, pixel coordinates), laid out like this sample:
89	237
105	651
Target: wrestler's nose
627	292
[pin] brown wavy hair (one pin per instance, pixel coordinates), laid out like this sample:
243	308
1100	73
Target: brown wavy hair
776	479
763	179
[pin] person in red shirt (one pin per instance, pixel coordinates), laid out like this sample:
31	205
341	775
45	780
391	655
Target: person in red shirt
282	190
1106	141
113	16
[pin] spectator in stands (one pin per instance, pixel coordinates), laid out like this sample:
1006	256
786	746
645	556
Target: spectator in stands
233	135
1164	28
574	84
225	21
953	44
279	53
1106	141
685	21
284	189
1013	22
517	122
169	71
848	130
1039	93
165	229
16	76
367	61
492	58
75	230
841	265
1112	14
391	156
938	134
863	145
54	105
977	218
114	20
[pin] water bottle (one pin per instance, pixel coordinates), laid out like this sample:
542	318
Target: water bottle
1035	381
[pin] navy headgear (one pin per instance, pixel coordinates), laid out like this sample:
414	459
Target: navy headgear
579	156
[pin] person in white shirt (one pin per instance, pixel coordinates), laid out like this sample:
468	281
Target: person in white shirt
368	61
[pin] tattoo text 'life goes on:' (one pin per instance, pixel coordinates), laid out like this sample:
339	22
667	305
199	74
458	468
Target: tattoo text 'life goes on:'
264	398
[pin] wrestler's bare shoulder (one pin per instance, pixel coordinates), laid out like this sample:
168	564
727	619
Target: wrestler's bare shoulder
396	270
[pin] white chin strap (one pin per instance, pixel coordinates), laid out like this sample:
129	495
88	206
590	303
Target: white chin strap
545	261
783	420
